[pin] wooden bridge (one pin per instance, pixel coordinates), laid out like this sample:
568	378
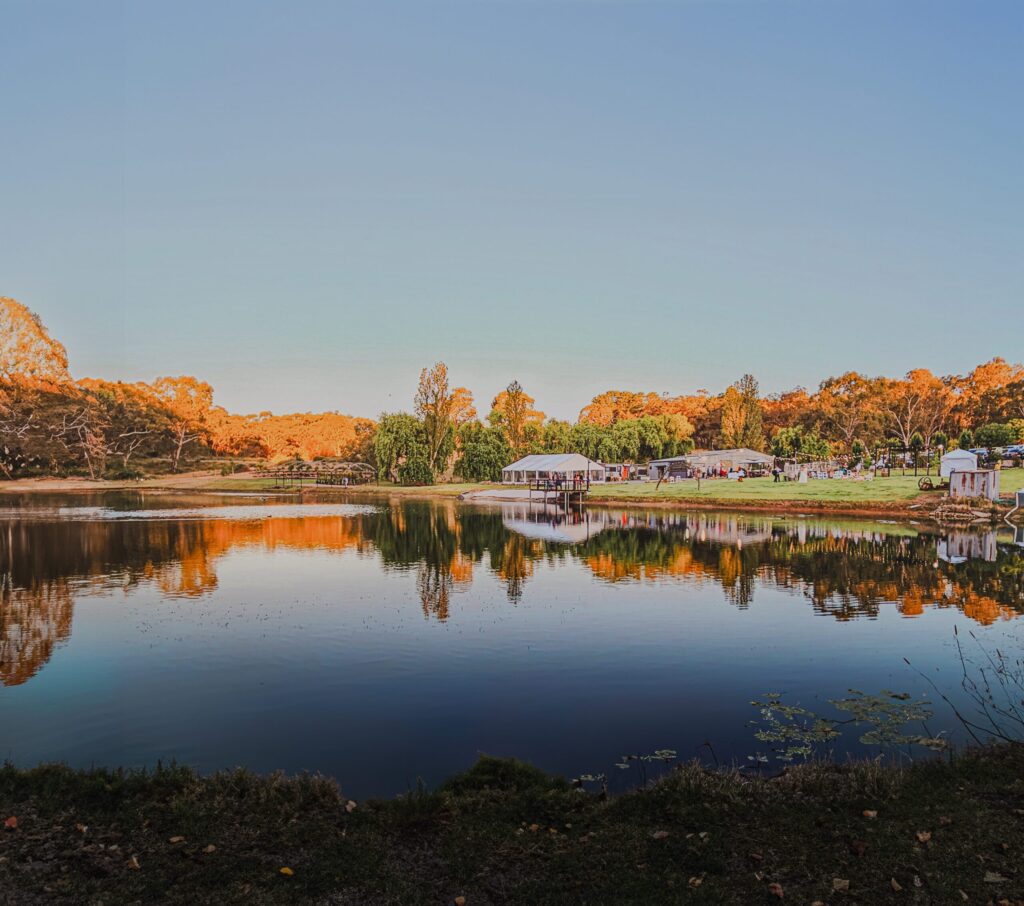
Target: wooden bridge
336	474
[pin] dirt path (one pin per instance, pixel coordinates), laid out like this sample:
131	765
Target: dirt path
184	481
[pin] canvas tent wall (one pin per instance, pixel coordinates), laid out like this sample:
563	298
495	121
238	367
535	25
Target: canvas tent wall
539	467
958	461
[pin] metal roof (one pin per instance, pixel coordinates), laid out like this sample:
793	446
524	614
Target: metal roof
738	454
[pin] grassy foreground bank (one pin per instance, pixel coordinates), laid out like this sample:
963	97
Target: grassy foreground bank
938	832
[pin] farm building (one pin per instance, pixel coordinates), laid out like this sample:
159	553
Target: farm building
623	471
750	460
958	461
566	467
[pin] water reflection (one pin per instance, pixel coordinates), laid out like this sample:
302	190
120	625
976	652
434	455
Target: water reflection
845	570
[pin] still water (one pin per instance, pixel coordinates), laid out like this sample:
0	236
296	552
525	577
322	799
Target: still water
384	643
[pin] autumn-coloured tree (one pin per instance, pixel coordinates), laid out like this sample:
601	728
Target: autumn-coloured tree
1013	400
435	406
981	394
26	349
82	431
742	416
918	403
702	410
463	410
188	402
512	409
847	404
134	420
791	409
615	405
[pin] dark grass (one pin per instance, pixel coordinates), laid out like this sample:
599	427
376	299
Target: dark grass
504	832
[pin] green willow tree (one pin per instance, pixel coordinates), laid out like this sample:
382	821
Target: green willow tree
401	449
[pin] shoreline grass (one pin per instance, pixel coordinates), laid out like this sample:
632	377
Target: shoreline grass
943	831
896	494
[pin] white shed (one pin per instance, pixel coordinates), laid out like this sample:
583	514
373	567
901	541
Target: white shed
958	461
564	466
983	483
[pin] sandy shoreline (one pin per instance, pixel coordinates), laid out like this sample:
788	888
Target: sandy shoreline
184	481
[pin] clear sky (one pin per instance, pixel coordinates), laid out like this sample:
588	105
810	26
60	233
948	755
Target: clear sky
306	202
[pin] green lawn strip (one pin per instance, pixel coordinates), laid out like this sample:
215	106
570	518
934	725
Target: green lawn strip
506	833
897	489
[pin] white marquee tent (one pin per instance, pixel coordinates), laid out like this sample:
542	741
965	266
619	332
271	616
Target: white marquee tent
565	466
958	461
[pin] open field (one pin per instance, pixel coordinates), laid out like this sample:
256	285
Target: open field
938	832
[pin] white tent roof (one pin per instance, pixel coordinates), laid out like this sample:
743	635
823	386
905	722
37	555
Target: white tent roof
554	462
957	461
736	455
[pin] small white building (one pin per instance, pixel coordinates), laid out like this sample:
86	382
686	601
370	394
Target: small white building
983	483
957	461
542	466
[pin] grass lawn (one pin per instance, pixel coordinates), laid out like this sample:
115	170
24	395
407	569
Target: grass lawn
895	489
941	831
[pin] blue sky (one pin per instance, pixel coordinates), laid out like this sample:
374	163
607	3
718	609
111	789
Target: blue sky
306	202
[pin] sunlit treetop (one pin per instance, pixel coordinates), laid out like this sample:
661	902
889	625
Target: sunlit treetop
26	348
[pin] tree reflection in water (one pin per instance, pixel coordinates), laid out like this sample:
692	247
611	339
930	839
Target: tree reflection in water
846	570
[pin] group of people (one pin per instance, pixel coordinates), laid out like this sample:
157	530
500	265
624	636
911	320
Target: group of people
558	482
720	471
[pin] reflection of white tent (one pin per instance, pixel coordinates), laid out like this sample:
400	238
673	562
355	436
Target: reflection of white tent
552	465
958	461
549	523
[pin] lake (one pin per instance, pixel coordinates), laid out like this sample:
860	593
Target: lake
385	643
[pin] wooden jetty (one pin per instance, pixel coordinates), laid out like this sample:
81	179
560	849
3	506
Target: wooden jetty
565	493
